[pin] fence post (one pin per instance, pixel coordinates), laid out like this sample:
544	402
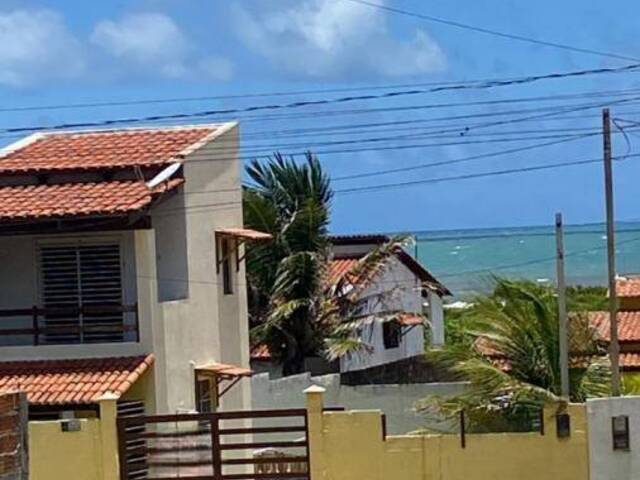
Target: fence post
216	454
315	406
109	436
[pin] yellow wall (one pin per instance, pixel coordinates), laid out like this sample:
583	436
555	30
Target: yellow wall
87	454
349	446
60	455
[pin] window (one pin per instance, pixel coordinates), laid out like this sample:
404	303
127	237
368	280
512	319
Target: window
204	397
226	267
77	275
391	334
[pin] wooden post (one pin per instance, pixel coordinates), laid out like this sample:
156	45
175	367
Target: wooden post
562	310
463	431
35	326
614	346
216	453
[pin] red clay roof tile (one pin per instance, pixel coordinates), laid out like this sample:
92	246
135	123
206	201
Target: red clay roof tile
628	286
78	381
77	199
101	149
628	325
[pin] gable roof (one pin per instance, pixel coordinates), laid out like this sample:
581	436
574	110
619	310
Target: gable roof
628	325
74	381
343	264
91	150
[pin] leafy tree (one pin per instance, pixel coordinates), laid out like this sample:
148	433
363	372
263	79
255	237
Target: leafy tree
509	354
291	201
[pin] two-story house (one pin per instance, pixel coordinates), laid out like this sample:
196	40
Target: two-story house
403	285
121	269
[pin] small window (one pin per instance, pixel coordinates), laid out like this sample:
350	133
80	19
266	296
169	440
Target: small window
227	284
204	396
391	335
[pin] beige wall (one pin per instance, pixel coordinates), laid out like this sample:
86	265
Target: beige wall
206	326
349	445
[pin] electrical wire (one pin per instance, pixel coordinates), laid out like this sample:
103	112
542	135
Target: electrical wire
510	36
310	103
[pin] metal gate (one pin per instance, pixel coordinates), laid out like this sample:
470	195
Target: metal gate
269	444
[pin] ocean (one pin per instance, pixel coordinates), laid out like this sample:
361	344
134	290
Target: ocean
464	260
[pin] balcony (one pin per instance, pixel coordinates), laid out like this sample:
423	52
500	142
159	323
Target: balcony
85	324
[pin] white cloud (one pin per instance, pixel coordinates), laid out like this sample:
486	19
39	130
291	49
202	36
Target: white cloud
36	46
147	40
325	38
154	43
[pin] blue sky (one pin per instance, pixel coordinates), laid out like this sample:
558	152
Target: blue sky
68	52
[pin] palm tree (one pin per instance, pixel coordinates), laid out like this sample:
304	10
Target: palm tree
291	201
513	365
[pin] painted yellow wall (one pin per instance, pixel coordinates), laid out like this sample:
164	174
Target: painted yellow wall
349	446
56	455
88	454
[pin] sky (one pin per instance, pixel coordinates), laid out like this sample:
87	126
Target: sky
68	52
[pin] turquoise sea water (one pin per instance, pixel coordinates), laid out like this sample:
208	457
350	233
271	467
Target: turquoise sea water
465	259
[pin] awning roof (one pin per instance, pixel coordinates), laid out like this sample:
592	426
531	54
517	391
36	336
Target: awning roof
74	381
224	370
244	234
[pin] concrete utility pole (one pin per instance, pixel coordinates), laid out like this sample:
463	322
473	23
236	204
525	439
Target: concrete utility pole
614	346
562	310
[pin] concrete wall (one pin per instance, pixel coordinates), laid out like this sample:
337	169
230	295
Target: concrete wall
397	401
350	445
606	463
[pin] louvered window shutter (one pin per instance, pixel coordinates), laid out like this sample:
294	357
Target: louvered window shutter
78	275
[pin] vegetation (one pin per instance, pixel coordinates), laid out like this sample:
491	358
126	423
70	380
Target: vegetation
291	201
506	346
294	309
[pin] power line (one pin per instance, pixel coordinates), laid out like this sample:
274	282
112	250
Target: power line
326	101
510	36
386	186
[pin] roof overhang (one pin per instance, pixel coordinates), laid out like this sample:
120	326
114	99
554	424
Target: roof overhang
223	375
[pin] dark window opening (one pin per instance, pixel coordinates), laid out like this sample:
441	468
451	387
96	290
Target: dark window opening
226	268
204	397
391	335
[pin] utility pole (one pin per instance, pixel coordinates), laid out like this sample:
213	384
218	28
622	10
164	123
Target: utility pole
562	310
614	346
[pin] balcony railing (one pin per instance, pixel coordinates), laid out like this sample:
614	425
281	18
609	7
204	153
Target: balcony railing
69	325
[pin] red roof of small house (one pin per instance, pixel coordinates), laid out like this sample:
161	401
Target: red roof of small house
628	286
91	150
78	199
628	325
630	361
343	264
77	381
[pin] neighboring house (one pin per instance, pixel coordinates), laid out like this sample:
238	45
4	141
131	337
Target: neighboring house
403	285
628	293
121	269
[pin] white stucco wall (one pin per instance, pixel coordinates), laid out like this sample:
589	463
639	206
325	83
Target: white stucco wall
396	401
396	289
606	463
